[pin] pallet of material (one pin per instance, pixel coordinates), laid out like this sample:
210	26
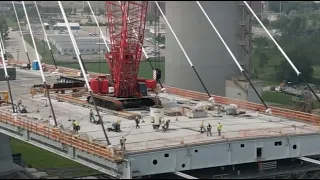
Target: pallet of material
76	94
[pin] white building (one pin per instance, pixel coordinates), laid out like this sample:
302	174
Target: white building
73	26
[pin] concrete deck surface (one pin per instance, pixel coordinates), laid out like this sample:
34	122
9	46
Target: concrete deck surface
242	126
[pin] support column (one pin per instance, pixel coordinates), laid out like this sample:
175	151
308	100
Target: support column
26	134
72	152
246	42
5	149
127	171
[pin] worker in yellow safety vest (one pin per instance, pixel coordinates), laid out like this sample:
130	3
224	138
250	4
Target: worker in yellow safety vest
76	126
219	128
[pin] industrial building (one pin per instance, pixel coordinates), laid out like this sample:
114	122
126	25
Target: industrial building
84	48
87	45
62	26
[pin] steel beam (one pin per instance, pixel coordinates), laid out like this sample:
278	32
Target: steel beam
184	175
310	160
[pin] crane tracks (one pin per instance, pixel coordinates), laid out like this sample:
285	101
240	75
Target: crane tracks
79	102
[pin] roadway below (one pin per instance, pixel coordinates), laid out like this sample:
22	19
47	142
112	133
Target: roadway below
15	43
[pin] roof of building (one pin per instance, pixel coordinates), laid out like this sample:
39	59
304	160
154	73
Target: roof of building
81	46
64	24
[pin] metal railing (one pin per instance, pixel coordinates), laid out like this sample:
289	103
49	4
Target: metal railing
60	136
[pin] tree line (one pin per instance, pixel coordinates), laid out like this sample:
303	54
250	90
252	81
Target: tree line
299	36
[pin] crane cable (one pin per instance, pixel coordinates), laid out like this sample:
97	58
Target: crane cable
40	65
233	57
143	50
83	69
6	71
211	99
101	33
45	35
24	43
281	50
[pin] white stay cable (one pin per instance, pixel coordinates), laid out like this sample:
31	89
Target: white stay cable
135	33
75	46
24	43
34	43
275	42
3	48
3	61
220	37
44	30
101	33
174	34
268	110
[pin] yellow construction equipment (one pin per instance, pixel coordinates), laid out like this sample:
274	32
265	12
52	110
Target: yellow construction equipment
4	97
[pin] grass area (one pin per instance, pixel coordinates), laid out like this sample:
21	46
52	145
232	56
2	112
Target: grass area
277	97
11	23
30	155
270	83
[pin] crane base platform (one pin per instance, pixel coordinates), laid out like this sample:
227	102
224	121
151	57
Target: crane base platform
117	104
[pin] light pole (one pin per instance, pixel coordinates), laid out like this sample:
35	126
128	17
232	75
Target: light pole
280	7
18	51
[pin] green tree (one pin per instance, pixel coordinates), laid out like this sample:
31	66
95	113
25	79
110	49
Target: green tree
274	6
263	59
265	22
285	72
4	27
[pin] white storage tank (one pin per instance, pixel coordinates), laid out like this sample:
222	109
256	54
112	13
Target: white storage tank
157	115
111	90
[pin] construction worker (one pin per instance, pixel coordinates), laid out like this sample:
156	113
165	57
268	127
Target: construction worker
76	126
19	102
167	124
163	128
122	143
209	130
219	128
201	126
92	119
137	122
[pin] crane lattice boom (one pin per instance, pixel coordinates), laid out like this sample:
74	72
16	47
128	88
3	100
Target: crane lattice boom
126	28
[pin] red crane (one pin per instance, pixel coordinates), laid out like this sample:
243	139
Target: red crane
126	27
126	21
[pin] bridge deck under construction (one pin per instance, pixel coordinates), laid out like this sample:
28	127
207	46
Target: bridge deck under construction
182	133
185	129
